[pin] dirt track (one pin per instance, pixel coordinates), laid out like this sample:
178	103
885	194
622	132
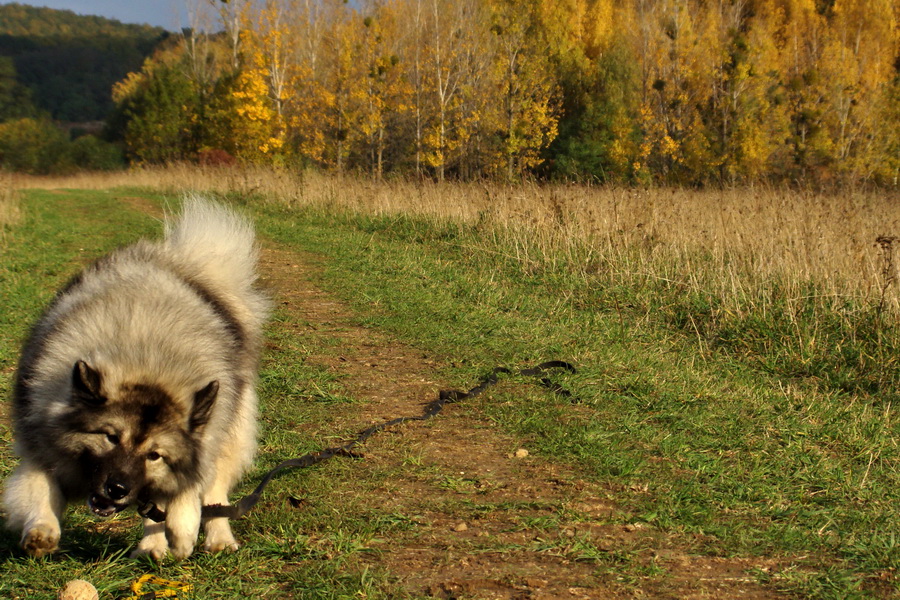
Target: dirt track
481	537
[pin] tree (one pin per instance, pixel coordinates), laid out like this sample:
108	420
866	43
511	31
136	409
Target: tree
69	62
679	91
232	16
528	122
258	129
593	66
15	98
386	93
456	43
859	79
157	105
34	146
418	74
343	86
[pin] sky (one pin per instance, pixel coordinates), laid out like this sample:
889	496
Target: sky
170	14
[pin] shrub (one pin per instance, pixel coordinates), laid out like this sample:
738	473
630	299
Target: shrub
216	158
34	146
91	153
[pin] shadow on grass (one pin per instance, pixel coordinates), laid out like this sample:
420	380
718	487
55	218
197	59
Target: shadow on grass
78	544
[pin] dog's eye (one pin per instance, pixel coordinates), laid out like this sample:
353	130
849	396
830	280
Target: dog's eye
113	439
153	456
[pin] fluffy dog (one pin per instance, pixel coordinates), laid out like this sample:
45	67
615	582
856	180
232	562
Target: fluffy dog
137	385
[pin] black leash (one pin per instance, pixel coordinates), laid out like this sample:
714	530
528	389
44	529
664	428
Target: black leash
243	506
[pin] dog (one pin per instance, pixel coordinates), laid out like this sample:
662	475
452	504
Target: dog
138	385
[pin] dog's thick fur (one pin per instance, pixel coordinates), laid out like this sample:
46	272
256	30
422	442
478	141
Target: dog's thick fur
138	384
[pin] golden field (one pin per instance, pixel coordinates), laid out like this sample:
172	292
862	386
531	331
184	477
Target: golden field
736	241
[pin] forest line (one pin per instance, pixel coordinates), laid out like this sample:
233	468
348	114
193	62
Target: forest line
629	91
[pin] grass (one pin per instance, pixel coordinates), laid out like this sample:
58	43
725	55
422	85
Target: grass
750	433
736	242
304	554
10	211
735	389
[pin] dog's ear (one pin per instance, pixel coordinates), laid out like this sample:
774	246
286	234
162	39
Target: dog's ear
203	403
86	383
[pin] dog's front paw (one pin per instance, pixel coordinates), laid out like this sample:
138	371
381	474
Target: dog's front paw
154	546
218	545
41	539
181	547
219	537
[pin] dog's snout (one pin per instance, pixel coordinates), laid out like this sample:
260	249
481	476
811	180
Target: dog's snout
116	490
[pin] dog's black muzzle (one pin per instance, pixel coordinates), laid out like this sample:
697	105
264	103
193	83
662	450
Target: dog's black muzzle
115	497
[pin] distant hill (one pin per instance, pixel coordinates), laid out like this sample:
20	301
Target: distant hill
69	62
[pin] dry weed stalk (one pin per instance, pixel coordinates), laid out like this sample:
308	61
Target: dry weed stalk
888	269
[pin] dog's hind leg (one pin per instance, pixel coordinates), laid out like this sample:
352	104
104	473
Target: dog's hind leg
34	504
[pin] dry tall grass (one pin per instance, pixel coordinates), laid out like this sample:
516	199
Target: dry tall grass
10	211
751	236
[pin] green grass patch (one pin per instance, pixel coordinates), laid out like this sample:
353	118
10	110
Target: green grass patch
765	432
309	552
762	425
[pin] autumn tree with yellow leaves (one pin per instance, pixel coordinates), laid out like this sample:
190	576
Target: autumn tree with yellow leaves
675	91
260	90
528	115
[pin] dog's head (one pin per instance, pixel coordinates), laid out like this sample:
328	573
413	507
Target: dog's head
135	442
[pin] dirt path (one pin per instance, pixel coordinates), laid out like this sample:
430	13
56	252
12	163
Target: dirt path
488	524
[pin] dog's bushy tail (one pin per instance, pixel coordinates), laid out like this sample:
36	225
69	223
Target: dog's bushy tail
216	241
